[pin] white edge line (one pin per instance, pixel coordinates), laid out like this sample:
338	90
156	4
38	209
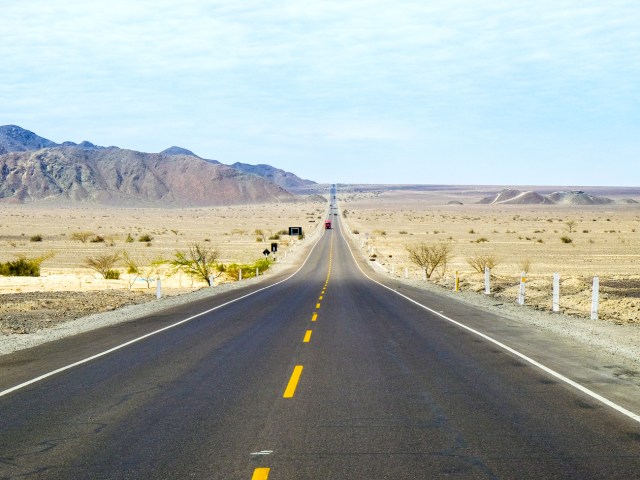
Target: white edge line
527	359
155	332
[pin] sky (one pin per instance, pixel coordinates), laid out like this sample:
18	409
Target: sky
352	91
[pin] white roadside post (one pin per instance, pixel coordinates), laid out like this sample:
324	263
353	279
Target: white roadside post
424	274
595	298
240	275
211	278
456	282
523	282
158	288
406	272
487	281
393	270
556	292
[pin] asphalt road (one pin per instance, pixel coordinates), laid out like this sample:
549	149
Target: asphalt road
324	376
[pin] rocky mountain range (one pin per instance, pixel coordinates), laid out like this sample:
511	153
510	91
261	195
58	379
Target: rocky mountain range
33	168
571	197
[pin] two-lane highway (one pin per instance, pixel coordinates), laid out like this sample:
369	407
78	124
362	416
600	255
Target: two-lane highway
326	375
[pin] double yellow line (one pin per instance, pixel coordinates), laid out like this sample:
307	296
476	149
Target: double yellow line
263	473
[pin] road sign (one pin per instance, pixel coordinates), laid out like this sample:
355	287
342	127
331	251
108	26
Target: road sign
274	247
266	252
295	231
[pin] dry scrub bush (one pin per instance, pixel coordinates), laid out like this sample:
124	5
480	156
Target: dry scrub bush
480	262
104	265
525	265
81	236
429	257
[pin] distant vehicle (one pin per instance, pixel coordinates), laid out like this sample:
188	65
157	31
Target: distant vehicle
335	214
327	224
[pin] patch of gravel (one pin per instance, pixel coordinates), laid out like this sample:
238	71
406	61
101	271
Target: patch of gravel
30	319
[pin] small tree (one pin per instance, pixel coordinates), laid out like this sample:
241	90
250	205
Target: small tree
198	261
148	271
570	224
480	262
104	265
429	257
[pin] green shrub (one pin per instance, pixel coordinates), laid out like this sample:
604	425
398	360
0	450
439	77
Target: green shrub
566	239
129	238
97	239
248	269
111	275
23	266
36	238
145	238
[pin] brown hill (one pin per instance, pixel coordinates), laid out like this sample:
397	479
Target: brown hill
125	177
17	139
569	197
577	197
516	197
278	176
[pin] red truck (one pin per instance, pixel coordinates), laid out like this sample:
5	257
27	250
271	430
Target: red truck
327	224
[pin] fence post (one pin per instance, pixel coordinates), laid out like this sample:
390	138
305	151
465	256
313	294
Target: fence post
523	281
595	298
487	280
556	292
158	288
456	282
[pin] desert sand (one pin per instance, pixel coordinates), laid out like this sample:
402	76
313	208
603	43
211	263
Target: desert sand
68	289
604	242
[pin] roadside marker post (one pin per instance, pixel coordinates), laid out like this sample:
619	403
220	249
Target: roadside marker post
556	292
211	278
406	272
240	275
456	281
158	289
424	274
595	298
487	281
523	282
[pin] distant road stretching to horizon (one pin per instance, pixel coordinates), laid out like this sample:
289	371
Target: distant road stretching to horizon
325	375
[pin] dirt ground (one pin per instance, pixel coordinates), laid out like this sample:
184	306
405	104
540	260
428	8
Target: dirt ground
603	241
67	289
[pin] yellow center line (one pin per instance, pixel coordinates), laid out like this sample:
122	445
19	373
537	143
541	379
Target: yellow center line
317	305
307	337
293	382
260	474
314	317
320	298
